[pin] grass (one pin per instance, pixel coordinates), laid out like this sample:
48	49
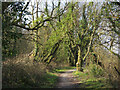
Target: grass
19	75
63	69
87	81
46	80
49	80
80	74
22	75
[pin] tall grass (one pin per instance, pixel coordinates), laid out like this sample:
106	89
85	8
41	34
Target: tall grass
20	72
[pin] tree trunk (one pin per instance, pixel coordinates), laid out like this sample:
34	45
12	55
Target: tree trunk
36	38
53	51
72	54
79	62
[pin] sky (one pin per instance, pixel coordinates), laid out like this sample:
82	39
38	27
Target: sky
63	0
50	4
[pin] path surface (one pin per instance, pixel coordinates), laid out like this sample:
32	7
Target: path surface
67	80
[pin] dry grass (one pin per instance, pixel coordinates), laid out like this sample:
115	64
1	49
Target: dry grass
109	63
20	72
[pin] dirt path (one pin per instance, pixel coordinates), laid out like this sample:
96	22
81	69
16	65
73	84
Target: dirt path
67	80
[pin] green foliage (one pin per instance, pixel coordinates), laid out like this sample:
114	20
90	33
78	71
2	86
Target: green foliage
80	74
48	80
9	39
96	85
88	81
59	37
11	34
95	70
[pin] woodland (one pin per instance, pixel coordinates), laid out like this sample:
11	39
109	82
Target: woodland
41	40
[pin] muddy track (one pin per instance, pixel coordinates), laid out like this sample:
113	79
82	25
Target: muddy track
67	80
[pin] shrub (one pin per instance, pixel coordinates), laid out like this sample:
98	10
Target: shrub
95	70
19	72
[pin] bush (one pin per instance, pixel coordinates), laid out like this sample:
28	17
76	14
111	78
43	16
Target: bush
20	72
95	70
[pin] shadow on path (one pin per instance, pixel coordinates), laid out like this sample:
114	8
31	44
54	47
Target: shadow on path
67	80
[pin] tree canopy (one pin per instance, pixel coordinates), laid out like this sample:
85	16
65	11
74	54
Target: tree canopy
72	28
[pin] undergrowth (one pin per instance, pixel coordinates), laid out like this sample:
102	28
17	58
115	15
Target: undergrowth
24	74
93	78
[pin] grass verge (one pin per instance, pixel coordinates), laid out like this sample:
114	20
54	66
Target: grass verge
48	80
88	81
63	69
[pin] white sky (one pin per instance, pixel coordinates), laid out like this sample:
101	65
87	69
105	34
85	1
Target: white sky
115	49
